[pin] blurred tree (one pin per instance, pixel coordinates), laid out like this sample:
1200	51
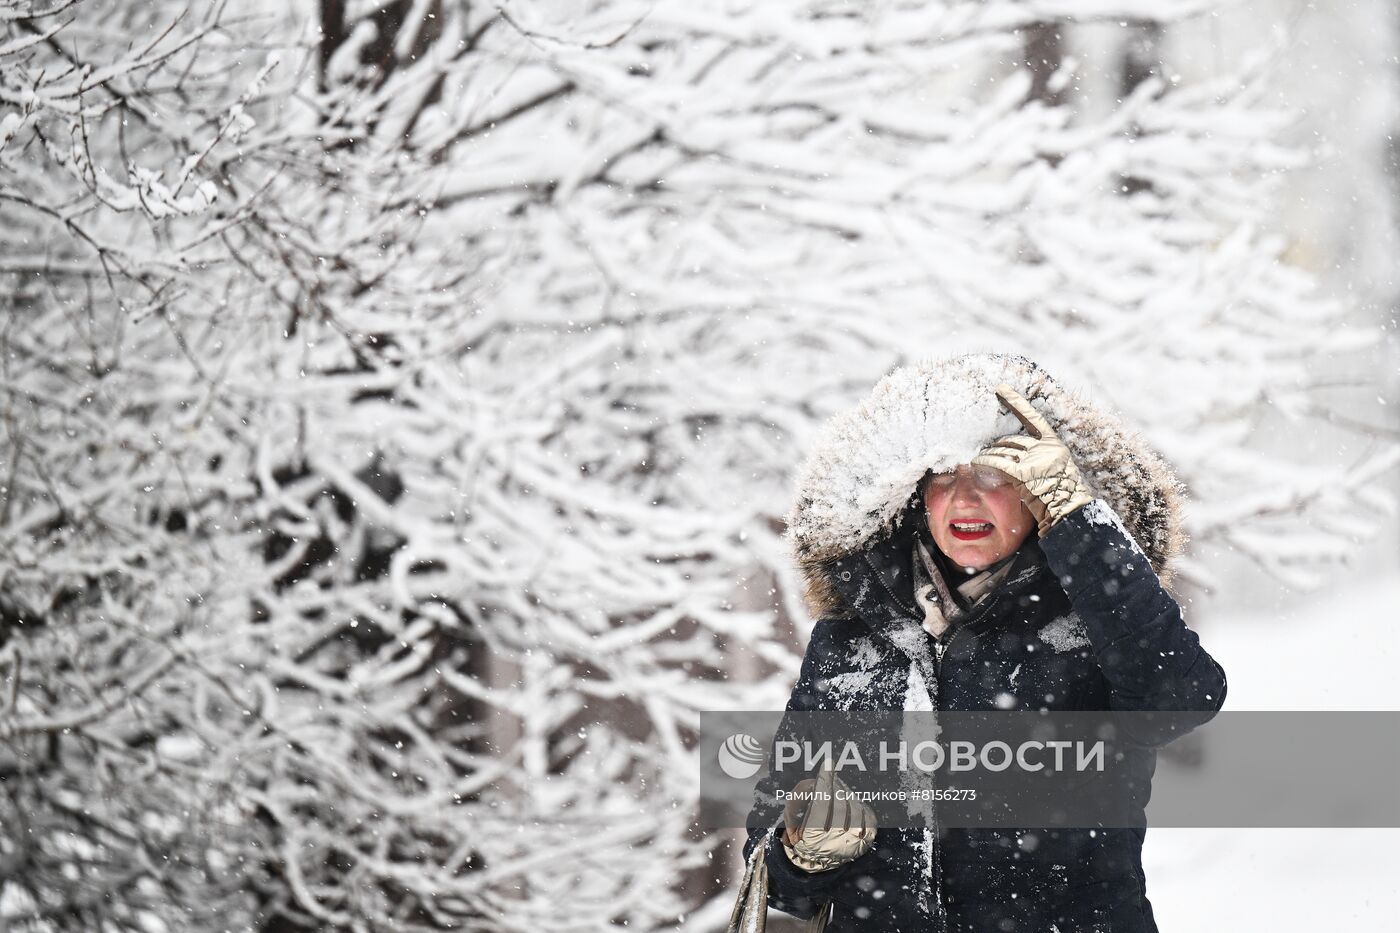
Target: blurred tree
1045	58
395	394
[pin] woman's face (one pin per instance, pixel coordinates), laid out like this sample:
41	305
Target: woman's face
976	515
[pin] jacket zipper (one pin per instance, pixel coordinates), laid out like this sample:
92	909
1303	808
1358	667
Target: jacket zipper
940	647
940	909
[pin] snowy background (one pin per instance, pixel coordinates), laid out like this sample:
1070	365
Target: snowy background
399	404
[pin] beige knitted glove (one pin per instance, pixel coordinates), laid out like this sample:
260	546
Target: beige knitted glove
830	828
1040	465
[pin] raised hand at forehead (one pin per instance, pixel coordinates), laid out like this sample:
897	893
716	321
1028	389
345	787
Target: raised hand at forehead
1038	462
1033	421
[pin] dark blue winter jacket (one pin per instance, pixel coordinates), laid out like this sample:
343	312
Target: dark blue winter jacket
1128	649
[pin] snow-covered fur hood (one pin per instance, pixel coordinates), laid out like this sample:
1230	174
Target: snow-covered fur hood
861	478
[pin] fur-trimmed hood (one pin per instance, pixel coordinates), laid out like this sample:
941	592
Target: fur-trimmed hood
859	481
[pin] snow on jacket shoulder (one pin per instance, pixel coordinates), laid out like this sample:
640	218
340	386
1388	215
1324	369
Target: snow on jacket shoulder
1084	622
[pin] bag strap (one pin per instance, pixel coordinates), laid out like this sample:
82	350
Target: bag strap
750	913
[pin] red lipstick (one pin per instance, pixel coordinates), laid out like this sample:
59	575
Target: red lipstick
969	529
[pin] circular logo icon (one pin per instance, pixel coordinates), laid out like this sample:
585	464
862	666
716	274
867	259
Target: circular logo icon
740	756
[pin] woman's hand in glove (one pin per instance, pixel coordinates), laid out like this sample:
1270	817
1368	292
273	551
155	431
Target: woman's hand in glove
825	827
1039	463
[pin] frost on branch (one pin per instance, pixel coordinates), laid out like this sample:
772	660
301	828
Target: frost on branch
394	399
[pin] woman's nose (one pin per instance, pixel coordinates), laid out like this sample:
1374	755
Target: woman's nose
965	489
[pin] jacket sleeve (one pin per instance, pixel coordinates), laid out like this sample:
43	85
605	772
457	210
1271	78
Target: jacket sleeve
1151	660
791	889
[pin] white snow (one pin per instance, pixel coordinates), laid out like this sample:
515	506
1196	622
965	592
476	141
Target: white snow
1066	633
864	655
1328	652
1099	512
869	458
916	694
531	375
850	689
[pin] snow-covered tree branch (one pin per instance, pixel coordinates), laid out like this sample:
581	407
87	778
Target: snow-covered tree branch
396	395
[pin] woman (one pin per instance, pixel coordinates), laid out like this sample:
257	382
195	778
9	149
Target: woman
980	539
